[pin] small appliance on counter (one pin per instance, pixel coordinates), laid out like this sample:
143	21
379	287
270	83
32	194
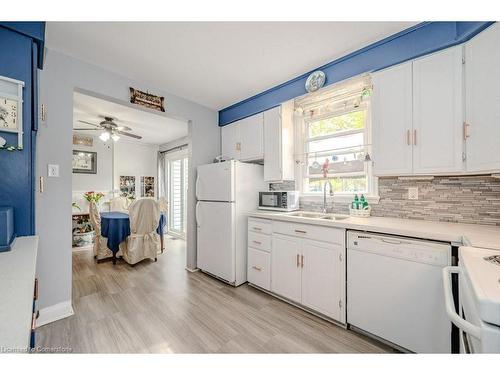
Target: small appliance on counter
6	227
279	200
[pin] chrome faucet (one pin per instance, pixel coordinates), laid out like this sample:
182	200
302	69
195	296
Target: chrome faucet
327	182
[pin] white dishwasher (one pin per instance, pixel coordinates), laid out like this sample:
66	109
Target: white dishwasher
394	290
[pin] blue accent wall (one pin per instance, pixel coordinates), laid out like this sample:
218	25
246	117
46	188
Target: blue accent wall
17	168
421	39
33	30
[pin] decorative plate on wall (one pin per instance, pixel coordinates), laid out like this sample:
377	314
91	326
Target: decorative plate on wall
315	81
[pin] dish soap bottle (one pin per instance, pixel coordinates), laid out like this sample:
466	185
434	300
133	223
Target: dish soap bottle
363	202
355	202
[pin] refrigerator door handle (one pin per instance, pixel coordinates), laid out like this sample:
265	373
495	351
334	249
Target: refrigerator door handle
196	214
196	186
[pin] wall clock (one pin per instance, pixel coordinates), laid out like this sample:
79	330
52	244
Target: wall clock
315	81
11	107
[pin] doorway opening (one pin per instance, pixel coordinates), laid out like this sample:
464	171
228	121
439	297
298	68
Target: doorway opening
117	150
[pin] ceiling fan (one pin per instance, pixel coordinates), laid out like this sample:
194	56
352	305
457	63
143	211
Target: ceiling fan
110	129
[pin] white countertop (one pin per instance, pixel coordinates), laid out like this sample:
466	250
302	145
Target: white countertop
484	236
17	278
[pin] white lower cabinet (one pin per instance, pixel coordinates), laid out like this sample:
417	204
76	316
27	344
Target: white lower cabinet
285	267
322	278
259	268
306	267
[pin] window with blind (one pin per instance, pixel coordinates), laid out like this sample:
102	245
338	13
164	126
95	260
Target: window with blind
335	140
177	179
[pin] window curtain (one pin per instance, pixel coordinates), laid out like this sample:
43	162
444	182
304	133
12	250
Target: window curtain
162	175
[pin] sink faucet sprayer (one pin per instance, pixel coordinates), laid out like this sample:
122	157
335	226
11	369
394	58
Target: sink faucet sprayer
327	182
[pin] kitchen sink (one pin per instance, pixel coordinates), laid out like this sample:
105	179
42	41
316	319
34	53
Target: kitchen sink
334	217
318	215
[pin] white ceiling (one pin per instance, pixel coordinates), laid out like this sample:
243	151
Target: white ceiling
214	63
153	128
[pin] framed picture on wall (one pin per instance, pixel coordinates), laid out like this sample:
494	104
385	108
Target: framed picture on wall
84	162
147	186
127	186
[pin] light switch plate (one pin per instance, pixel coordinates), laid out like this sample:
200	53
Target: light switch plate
413	193
53	170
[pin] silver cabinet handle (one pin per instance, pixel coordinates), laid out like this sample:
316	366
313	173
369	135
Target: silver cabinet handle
302	261
415	137
300	231
298	260
257	242
256	228
408	136
257	268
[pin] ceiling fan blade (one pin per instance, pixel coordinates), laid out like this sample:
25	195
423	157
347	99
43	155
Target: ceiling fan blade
123	127
129	134
87	129
89	123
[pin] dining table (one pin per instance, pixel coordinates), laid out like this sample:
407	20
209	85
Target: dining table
115	226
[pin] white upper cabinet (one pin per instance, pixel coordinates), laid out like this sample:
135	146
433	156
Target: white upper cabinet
482	104
392	120
252	138
418	116
437	112
230	141
278	143
244	139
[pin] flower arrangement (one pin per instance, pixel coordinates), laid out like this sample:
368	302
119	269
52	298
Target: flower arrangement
92	196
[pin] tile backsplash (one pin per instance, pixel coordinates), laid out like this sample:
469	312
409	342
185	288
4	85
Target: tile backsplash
460	199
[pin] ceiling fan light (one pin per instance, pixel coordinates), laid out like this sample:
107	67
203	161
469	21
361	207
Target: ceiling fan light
104	136
115	137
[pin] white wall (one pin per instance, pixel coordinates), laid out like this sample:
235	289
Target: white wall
61	76
135	159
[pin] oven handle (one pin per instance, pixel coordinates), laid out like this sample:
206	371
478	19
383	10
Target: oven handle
456	319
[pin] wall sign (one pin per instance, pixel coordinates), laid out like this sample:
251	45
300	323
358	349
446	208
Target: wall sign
146	99
11	107
83	140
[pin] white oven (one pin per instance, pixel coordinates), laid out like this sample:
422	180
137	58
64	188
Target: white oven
479	299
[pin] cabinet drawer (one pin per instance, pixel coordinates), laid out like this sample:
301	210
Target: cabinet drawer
259	268
313	232
260	226
259	241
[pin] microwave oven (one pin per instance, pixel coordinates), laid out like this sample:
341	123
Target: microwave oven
279	200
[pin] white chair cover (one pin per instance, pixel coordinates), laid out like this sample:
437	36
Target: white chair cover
143	241
118	204
163	204
101	250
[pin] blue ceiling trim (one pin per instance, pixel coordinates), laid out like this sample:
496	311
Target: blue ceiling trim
421	39
32	29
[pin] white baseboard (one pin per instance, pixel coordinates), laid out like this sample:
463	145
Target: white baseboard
55	312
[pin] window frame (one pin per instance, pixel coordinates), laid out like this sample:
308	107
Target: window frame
302	137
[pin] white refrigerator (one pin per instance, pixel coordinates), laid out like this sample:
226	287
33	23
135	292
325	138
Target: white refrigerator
226	192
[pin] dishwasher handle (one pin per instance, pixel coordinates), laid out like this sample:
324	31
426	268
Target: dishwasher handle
392	241
456	319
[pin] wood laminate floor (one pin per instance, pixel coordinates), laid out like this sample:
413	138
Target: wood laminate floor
162	308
